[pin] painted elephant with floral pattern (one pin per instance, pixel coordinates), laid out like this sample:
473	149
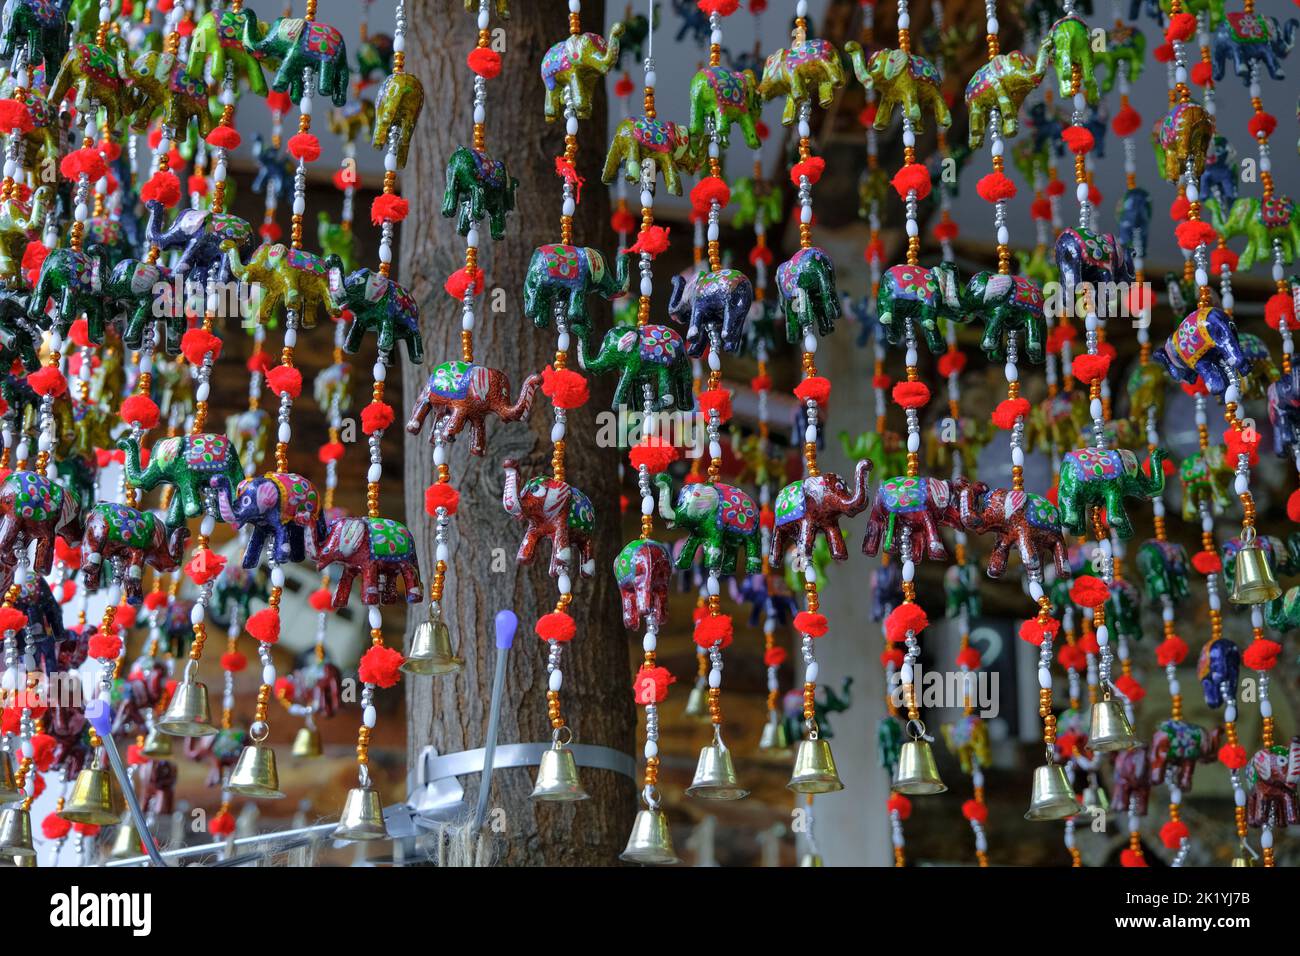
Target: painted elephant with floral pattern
795	72
1018	519
1283	612
217	41
131	288
125	537
160	85
280	505
282	275
1070	42
560	277
1284	412
1205	346
1177	747
901	80
192	464
920	296
643	569
814	504
297	45
1092	477
1266	224
806	282
1272	778
38	26
1181	139
1165	569
649	357
1096	258
1206	476
1252	40
34	508
1125	47
381	550
478	186
668	146
720	519
94	74
397	107
571	68
380	305
717	304
1002	85
21	222
201	236
917	503
460	394
1009	305
726	97
551	509
77	282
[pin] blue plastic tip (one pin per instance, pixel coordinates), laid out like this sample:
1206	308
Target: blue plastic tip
100	716
507	624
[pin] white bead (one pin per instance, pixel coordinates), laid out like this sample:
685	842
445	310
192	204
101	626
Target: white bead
909	569
467	321
277	576
197	614
375	472
202	392
471	240
1241	484
1044	678
557	432
804	130
1202	278
991	26
379	371
439	455
375	617
904	18
1193	194
912	228
1239	797
1011	372
1266	838
1230	713
385	252
650	641
1096	409
651	750
442	553
811	673
715	448
1233	395
268	674
556	680
569	207
714	232
369	716
284	433
1265	707
1174	687
1018	456
1080	101
647	199
1036	590
913	441
910	357
563	583
562	341
299	205
909	138
905	674
715	361
207	526
1081	192
1103	634
651	78
801	9
483	21
571	126
712	585
805	214
715	38
715	678
647	286
390	163
480	114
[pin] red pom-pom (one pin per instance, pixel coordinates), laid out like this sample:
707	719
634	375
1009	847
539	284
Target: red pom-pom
381	666
969	658
1201	73
1131	858
459	282
1008	410
881	382
278	102
1130	688
441	495
1173	833
224	137
650	686
105	647
264	626
716	400
1232	756
1207	562
654	453
815	388
285	379
233	662
914	177
891	657
1089	591
723	8
911	394
85	162
196	343
1293	506
1164	53
766	516
1193	234
65	553
623	88
906	617
975	811
995	187
48	381
811	169
154	600
1180	28
565	387
951	362
875	251
556	626
1055	187
484	62
1090	368
197	185
304	146
162	186
867	115
79	332
899	804
124	617
204	566
945	230
33	258
1072	657
330	451
12	619
774	656
651	241
1034	631
762	129
15	116
1243	441
1126	121
222	823
761	254
1041	210
811	623
713	629
321	599
1220	258
622	221
1261	655
376	417
390	207
54	827
707	191
1278	307
761	383
1195	388
1179	208
1261	125
1172	650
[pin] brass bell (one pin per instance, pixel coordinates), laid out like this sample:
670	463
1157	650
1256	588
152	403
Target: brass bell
917	774
8	785
1254	581
1052	797
431	650
16	832
650	842
1242	861
774	740
94	798
362	817
126	842
255	774
697	701
187	714
25	860
811	859
1109	728
814	768
557	777
715	775
156	744
306	743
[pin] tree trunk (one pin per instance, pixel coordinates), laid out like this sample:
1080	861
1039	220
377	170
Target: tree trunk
451	713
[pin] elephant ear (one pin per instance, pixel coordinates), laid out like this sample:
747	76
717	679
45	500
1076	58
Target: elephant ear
627	340
267	496
350	536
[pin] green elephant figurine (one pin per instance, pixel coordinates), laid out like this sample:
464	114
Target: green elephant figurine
20	223
337	239
652	358
914	294
217	44
95	74
380	305
1124	610
1207	476
20	337
961	591
1002	84
667	146
1070	45
192	464
132	287
38	26
1165	569
903	81
1266	226
796	71
749	200
1126	45
806	282
969	740
889	742
1105	477
1035	265
76	281
560	277
397	107
571	68
298	45
478	186
1009	304
726	97
719	518
160	84
1146	387
282	275
1283	612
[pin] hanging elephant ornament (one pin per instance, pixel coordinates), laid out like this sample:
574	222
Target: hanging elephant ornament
921	505
39	26
94	74
127	538
1124	610
379	305
647	358
720	519
920	296
478	186
1165	569
298	45
805	67
1002	84
1284	413
21	221
559	279
571	68
960	591
34	508
813	505
280	506
1125	44
725	97
1206	476
1205	346
76	281
1070	42
381	551
1217	668
717	304
1272	778
1093	477
191	464
1009	305
1262	373
555	510
1269	225
460	394
1019	519
1099	258
1181	138
901	81
160	86
1177	747
643	570
1252	40
281	276
806	282
666	146
217	42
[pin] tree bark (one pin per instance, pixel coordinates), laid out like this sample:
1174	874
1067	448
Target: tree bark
451	713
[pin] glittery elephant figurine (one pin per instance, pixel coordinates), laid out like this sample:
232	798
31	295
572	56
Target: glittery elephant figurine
1180	139
75	281
946	437
806	282
1177	747
1009	304
1070	42
1283	612
1284	412
1133	212
889	742
132	289
1219	178
652	357
559	279
379	305
551	509
903	81
1019	519
298	45
397	108
798	70
1204	346
643	569
94	74
1125	48
1092	477
1002	85
199	235
160	85
20	223
279	505
335	240
1217	668
919	504
1131	790
969	740
478	186
1251	40
717	304
725	97
20	335
1206	476
749	201
961	591
217	42
1165	569
459	394
1268	225
34	508
1271	779
125	537
191	464
1097	258
571	68
354	120
719	518
920	296
667	146
39	26
814	505
381	550
281	276
1124	610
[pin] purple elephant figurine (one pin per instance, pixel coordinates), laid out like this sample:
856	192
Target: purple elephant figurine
1176	748
1132	787
281	505
1217	667
1085	256
886	589
1272	778
1205	345
717	303
766	594
1284	412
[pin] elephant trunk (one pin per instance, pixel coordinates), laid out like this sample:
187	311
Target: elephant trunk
665	499
858	502
524	405
223	504
1153	483
678	300
131	461
510	492
622	272
176	545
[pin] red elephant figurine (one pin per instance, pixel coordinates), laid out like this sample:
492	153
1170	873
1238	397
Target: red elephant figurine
379	549
816	504
461	394
1272	780
922	505
643	569
38	509
1018	518
1176	748
1132	788
553	509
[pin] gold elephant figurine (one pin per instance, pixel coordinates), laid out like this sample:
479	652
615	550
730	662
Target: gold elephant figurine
1180	139
948	435
796	71
354	120
571	68
20	223
1057	422
902	81
95	74
82	427
158	83
667	145
1146	388
1002	84
397	106
969	740
295	278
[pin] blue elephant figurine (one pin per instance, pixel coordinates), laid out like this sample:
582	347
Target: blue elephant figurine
1284	412
1205	344
1133	212
1086	256
1219	178
717	304
1252	38
1217	667
281	505
772	599
806	282
863	311
886	589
